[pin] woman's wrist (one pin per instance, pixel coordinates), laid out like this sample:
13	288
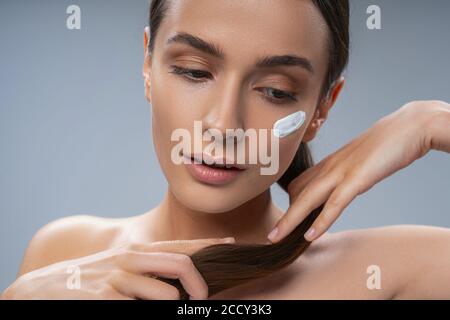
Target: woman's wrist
438	125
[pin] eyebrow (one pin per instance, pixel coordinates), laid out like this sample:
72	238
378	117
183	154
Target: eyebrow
216	51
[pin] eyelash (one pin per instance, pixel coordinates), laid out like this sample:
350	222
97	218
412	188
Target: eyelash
287	97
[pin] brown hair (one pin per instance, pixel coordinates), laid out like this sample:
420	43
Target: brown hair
227	265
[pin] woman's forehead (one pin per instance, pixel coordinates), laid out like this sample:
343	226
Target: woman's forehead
251	28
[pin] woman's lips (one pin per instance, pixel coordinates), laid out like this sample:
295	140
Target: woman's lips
212	175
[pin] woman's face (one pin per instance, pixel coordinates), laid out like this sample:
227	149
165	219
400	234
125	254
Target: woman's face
230	90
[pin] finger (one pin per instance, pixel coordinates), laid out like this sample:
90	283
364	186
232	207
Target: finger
319	169
337	202
300	182
118	296
141	287
309	199
163	275
114	294
167	263
181	246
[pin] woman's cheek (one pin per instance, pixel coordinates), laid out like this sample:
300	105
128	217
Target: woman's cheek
168	107
287	149
264	175
164	121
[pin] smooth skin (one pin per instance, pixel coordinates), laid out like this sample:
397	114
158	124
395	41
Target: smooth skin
414	263
116	256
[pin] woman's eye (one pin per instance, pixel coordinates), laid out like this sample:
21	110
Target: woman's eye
191	74
279	96
274	95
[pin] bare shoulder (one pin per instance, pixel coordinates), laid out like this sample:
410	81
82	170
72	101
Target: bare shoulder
419	256
69	238
399	243
411	261
394	237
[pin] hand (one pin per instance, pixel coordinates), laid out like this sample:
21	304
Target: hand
391	144
120	273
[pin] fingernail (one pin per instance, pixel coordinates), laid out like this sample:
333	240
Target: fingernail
273	234
229	240
309	234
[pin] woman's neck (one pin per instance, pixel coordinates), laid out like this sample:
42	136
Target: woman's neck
248	223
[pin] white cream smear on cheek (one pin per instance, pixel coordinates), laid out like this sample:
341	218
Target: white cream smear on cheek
289	124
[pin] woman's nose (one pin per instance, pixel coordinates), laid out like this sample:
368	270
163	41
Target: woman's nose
226	109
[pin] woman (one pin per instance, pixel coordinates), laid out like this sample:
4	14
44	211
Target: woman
255	64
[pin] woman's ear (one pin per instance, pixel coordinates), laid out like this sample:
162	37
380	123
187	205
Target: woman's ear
322	110
147	64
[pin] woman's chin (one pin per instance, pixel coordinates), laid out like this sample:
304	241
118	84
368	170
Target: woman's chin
212	202
209	206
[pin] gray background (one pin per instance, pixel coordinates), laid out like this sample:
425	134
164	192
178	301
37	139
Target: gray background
75	132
